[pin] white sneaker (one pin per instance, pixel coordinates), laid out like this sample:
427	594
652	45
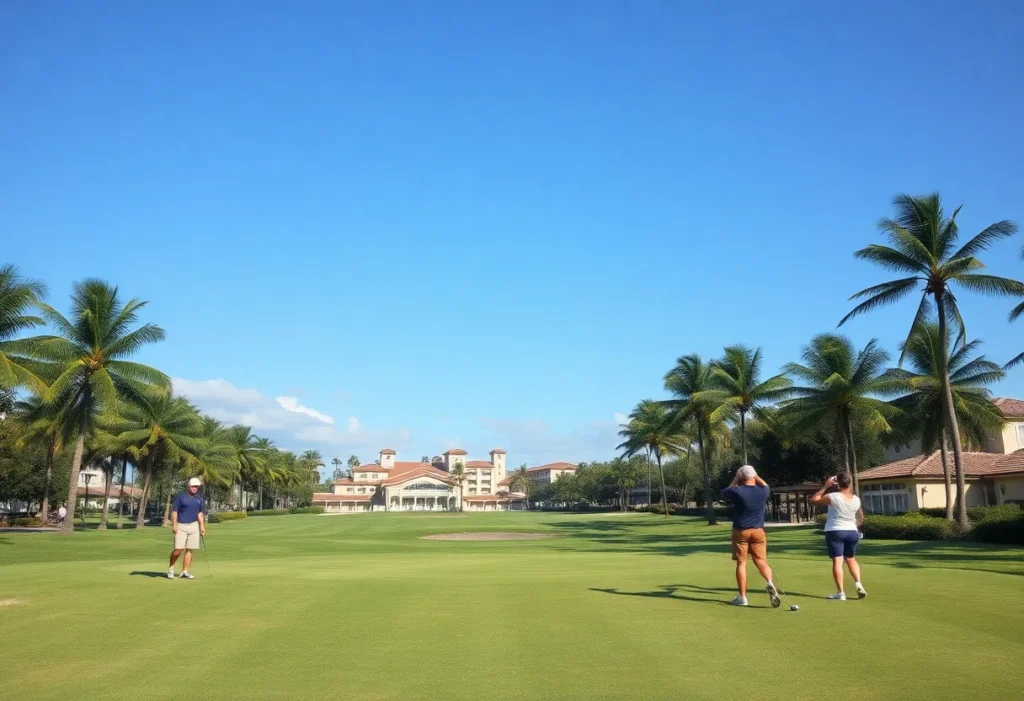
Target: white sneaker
838	596
170	573
861	592
186	575
773	595
739	601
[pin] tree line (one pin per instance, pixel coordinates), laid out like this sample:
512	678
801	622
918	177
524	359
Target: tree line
75	397
840	396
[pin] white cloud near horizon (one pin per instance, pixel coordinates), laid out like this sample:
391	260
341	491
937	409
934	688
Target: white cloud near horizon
284	418
538	442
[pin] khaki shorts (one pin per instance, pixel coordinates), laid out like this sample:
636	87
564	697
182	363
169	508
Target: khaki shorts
187	537
750	540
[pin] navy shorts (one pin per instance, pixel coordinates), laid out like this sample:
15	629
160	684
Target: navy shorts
842	543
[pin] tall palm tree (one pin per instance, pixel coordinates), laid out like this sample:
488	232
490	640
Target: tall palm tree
625	474
244	458
311	460
923	247
90	350
840	388
457	476
17	296
737	387
269	467
922	406
156	431
353	463
647	430
337	462
41	425
519	480
688	381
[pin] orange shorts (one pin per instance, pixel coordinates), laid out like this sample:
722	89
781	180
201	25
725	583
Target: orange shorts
750	540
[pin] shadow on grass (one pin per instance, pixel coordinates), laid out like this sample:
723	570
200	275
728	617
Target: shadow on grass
672	591
140	573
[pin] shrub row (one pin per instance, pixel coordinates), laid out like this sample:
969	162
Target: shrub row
20	522
306	510
222	516
978	514
910	526
269	512
680	510
1007	531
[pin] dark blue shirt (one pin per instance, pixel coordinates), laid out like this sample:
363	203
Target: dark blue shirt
747	505
187	507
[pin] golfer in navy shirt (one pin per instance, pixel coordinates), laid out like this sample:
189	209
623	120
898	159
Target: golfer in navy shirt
748	494
189	524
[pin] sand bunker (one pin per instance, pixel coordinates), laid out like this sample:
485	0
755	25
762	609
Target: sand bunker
10	602
489	536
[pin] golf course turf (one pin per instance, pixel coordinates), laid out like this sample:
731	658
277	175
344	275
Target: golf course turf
615	607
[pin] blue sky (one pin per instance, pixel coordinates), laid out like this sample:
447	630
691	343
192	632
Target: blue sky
493	224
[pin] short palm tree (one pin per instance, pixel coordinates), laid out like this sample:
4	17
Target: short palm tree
41	425
457	477
689	381
519	481
156	431
93	376
338	462
18	295
647	430
737	388
840	390
625	474
244	457
311	460
269	468
922	405
923	247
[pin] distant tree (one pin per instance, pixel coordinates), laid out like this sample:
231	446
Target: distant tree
353	463
17	296
519	481
626	475
337	462
457	477
425	458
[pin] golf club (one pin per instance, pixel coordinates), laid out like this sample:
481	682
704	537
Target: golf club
785	597
202	541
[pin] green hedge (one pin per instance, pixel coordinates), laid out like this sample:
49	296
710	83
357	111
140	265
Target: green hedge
22	522
221	516
911	526
1007	530
679	510
269	512
306	510
978	514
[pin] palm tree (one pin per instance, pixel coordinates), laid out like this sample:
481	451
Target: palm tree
156	431
244	457
922	405
94	377
457	476
688	381
337	462
17	296
353	463
519	480
923	242
648	430
41	425
214	466
311	460
839	389
737	388
268	469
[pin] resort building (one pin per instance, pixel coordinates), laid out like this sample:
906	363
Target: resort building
911	479
546	474
392	485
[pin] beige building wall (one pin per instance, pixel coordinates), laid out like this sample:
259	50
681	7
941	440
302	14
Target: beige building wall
386	459
1009	488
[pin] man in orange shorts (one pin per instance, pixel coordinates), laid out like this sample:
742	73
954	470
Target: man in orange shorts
748	494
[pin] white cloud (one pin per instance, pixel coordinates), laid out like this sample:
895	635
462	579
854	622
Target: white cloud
292	404
284	419
620	419
538	442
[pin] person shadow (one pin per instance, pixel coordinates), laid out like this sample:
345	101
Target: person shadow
140	573
691	592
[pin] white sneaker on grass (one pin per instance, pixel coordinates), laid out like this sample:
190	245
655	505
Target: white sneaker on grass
773	595
838	596
170	573
861	592
186	575
740	601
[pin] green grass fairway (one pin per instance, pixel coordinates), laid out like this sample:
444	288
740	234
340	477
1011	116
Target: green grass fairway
616	607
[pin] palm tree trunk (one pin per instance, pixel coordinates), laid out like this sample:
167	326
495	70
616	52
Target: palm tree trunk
946	478
664	494
140	520
951	422
167	502
108	477
709	506
120	500
76	467
650	500
260	506
851	453
743	435
44	508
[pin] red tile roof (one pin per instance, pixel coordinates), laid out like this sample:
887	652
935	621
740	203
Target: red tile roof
497	450
1010	407
372	467
96	491
554	466
422	470
343	480
485	497
455	451
975	465
325	497
479	463
505	482
388	451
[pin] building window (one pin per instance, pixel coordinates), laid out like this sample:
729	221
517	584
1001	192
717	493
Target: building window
350	490
362	491
1020	435
886	498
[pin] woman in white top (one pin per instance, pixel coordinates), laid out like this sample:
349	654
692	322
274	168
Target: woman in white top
841	530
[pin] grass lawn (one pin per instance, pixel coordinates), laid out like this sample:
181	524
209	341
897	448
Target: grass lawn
616	607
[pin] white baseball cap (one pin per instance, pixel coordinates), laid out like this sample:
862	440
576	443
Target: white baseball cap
195	482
